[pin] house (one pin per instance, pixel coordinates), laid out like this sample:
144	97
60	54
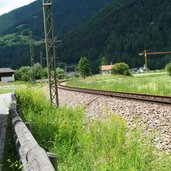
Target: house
106	69
7	74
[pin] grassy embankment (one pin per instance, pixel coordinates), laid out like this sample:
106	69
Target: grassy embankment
148	83
99	145
6	88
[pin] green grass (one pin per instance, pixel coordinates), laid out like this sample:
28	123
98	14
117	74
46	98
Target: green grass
13	39
6	88
148	83
95	146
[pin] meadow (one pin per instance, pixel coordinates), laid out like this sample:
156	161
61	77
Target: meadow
95	146
147	83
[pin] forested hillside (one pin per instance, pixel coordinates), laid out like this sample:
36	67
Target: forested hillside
122	31
67	15
15	26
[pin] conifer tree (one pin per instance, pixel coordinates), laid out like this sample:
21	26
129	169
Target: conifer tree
84	67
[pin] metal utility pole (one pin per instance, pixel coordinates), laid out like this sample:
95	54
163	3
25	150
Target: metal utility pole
145	59
41	59
145	53
50	51
31	49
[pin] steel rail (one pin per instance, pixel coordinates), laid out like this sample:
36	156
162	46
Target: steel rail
134	96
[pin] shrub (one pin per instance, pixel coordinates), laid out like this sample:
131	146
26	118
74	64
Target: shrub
36	71
23	74
168	68
120	68
27	73
60	73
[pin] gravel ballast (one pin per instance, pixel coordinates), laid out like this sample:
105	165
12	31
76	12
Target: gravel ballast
153	117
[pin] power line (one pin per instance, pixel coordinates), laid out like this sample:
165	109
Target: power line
50	51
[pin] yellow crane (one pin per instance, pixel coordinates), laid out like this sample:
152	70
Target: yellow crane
145	53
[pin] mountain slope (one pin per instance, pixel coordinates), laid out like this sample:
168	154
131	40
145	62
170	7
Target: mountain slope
120	32
67	15
14	27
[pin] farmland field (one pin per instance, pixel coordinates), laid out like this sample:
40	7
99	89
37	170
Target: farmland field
147	83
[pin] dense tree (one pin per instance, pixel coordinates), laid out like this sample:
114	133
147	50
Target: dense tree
60	73
113	33
23	74
70	14
36	71
45	73
84	67
27	73
104	60
120	68
122	36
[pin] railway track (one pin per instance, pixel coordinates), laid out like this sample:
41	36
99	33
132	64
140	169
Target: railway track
134	96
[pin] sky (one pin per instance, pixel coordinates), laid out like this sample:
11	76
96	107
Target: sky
8	5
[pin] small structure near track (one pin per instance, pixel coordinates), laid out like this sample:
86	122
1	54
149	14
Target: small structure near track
7	74
106	69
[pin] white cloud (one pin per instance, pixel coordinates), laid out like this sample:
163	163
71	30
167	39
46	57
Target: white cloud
8	5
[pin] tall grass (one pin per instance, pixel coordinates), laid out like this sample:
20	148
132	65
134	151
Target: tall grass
158	84
95	146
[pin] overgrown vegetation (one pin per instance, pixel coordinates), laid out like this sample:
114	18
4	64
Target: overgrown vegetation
96	145
149	83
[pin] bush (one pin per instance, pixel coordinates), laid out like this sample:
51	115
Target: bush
27	73
60	73
168	68
36	71
120	68
23	74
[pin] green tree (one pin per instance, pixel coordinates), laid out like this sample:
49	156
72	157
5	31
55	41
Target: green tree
168	68
60	73
104	61
23	74
120	68
84	67
45	73
36	71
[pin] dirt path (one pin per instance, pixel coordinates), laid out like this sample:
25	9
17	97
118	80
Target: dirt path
5	100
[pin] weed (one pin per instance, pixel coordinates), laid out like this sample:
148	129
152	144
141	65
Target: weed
99	145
